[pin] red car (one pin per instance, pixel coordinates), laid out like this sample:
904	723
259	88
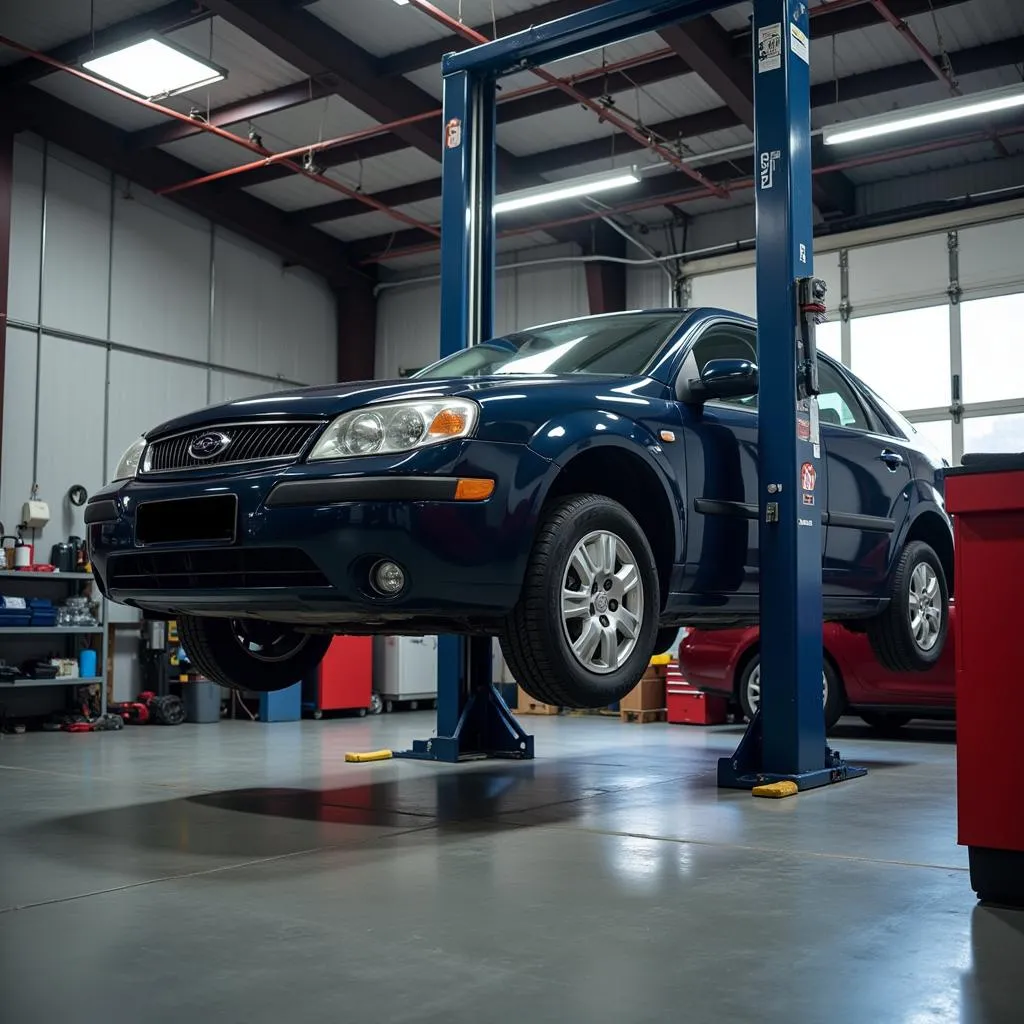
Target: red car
725	662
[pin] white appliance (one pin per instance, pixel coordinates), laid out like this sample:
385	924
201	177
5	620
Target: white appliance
405	668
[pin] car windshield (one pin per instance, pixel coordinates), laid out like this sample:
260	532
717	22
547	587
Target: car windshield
623	344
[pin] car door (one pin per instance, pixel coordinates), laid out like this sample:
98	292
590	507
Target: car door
868	479
720	449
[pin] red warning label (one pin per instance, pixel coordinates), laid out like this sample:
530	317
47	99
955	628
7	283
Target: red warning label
808	476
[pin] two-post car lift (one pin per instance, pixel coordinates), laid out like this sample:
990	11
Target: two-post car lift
786	740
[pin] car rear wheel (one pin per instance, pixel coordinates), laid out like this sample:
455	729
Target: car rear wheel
885	721
248	654
910	634
584	629
749	691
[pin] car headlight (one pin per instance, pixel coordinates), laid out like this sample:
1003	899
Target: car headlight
129	464
402	427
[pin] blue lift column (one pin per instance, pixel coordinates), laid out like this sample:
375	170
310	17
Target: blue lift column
786	740
473	721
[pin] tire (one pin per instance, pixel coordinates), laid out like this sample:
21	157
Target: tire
249	655
885	721
918	584
576	540
833	696
665	639
167	710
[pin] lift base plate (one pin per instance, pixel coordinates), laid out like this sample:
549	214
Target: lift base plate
486	729
746	769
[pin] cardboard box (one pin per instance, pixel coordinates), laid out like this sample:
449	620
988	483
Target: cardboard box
647	695
526	705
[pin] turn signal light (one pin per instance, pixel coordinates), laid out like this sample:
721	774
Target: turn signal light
448	423
471	489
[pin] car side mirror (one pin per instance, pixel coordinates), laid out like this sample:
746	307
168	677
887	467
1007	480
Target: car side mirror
725	378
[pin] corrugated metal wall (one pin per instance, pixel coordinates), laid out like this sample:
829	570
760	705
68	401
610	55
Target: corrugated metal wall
126	310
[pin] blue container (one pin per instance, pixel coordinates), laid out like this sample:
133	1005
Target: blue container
87	663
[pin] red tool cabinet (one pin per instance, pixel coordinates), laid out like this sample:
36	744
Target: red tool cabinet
345	677
986	498
689	706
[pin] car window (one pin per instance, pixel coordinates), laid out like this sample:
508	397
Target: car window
624	345
727	341
838	404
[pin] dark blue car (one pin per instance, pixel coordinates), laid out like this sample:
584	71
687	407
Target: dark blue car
580	490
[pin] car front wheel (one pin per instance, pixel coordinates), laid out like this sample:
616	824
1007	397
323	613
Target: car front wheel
585	626
248	654
749	691
910	634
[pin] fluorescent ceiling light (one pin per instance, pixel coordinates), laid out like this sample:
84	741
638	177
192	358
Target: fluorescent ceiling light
557	190
154	68
928	114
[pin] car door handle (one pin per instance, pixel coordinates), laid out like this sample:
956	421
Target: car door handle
893	460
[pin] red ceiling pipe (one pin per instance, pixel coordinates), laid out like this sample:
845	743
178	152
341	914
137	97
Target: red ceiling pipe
602	112
384	129
737	184
922	51
214	130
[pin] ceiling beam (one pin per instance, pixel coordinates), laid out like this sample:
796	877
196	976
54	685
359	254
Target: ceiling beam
174	15
859	86
423	56
106	145
231	113
316	49
707	48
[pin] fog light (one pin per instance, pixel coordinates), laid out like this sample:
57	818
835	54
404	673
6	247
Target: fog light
387	578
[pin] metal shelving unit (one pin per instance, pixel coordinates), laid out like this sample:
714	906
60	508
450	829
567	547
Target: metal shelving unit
71	584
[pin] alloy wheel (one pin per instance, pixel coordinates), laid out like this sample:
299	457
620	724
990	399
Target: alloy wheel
925	606
602	602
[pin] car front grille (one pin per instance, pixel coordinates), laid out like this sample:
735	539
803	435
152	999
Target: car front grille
246	442
214	569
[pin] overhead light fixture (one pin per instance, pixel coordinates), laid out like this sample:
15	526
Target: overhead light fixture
401	3
153	69
956	109
585	186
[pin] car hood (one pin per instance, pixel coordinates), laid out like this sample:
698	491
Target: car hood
331	400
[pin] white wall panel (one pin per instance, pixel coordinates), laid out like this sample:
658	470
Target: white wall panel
647	288
992	256
77	247
146	392
71	386
408	321
556	291
729	289
19	425
914	271
229	387
160	280
269	319
26	231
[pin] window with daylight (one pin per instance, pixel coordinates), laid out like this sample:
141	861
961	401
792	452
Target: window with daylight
992	344
904	356
938	434
994	433
828	338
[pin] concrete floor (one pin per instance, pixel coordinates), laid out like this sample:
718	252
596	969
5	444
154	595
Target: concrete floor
244	873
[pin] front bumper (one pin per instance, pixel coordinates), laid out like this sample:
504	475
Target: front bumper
306	537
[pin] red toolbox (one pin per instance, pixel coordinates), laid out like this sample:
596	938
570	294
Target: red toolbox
689	706
344	680
986	498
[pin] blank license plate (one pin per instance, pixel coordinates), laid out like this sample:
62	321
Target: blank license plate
185	519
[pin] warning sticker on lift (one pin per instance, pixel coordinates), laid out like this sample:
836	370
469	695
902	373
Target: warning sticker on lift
769	47
453	134
808	499
808	476
798	43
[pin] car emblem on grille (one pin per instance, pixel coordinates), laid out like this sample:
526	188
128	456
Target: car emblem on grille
206	446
